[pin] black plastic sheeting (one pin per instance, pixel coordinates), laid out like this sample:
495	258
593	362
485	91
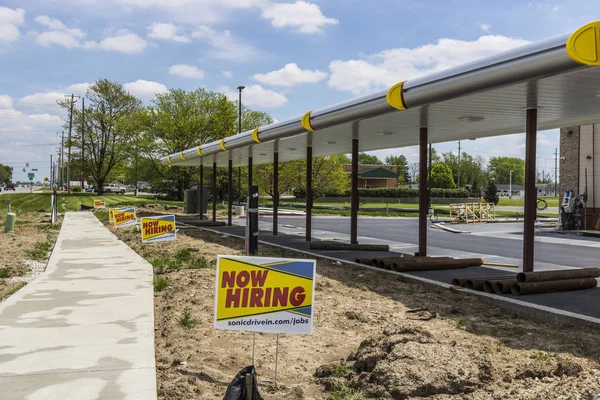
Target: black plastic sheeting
237	388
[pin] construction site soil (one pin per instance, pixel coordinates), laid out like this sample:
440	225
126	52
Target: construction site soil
374	336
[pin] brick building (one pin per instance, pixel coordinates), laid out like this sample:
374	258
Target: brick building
375	176
579	146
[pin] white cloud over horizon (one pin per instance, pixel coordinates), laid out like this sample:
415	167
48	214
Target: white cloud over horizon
290	75
186	71
162	31
301	16
256	95
383	69
145	90
10	20
224	46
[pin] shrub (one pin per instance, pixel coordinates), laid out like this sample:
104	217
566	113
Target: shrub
75	189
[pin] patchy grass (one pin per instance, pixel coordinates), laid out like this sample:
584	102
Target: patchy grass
4	273
346	393
160	284
186	320
40	251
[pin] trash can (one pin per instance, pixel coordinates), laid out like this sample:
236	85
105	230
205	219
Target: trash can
10	222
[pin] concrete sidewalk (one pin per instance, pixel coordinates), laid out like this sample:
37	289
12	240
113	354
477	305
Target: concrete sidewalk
84	329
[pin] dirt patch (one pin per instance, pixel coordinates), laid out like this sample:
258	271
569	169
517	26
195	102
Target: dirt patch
375	336
24	252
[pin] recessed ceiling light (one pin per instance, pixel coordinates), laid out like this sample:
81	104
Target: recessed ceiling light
331	142
473	119
598	94
263	154
291	148
385	133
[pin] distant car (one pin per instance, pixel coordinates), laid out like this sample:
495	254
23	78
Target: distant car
10	186
90	189
114	188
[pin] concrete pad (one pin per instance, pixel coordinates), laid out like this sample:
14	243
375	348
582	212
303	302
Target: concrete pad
84	329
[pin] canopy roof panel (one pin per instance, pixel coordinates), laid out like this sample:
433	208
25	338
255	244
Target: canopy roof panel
560	77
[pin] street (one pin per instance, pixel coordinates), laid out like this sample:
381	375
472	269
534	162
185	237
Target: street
501	240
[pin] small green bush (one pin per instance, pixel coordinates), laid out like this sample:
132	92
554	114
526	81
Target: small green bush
3	273
75	189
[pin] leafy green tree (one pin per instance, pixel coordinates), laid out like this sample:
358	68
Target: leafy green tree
491	192
106	143
500	167
441	177
471	168
369	159
5	173
402	165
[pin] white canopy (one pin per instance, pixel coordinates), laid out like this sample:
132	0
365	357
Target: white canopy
559	77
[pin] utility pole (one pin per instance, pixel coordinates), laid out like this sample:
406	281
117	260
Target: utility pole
82	170
458	179
556	172
69	154
240	88
62	159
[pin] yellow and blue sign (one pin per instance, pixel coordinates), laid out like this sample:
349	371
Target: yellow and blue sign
111	216
124	217
158	229
259	294
99	204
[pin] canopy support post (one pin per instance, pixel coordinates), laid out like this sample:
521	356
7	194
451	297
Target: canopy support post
530	213
354	194
201	192
423	192
230	193
214	192
309	193
275	191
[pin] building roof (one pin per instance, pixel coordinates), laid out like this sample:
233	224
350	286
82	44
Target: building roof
489	97
377	173
505	186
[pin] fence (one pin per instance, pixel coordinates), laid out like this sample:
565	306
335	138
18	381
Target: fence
383	201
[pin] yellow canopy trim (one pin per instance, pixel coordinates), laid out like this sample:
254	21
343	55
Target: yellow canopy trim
181	156
169	159
255	136
583	45
199	151
306	122
394	96
222	145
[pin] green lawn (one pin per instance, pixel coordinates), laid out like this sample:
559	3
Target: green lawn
40	202
504	201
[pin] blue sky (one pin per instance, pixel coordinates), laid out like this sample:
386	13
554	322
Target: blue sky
293	56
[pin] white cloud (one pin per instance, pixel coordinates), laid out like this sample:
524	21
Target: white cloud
302	16
186	71
47	100
58	33
256	95
10	19
123	42
67	39
5	101
78	88
227	74
42	101
50	23
485	27
290	75
166	32
224	46
383	69
145	90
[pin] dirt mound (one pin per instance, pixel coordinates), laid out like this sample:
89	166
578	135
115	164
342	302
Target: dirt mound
408	361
